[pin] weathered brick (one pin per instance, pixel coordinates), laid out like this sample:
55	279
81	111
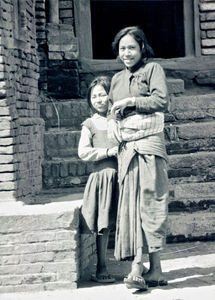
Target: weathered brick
191	225
8	168
55	170
66	13
207	6
39	219
207	25
7	196
208	51
56	267
8	186
210	33
65	4
68	276
61	245
73	168
191	107
4	177
22	269
193	191
27	279
208	42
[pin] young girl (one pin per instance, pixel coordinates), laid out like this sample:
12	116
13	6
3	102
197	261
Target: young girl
139	96
100	196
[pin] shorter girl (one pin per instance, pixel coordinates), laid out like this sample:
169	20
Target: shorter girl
100	196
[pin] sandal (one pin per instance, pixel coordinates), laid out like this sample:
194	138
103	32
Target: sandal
136	282
103	278
154	283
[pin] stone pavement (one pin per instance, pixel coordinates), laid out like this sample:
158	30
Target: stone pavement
189	268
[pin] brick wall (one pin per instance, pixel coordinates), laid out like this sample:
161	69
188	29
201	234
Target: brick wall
21	130
207	26
41	247
66	11
58	51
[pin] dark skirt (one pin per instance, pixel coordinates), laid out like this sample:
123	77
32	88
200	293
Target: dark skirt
99	207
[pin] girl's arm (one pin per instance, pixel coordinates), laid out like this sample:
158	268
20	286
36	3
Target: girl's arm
85	149
157	101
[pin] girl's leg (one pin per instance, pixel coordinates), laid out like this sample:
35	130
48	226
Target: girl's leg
102	243
135	277
155	273
137	267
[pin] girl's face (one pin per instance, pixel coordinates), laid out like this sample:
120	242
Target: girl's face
129	51
99	98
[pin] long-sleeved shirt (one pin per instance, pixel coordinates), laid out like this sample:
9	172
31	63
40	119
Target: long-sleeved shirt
145	125
148	87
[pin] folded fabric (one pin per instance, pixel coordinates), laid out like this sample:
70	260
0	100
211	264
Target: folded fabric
139	125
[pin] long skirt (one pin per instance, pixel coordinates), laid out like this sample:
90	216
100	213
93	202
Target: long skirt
142	208
100	201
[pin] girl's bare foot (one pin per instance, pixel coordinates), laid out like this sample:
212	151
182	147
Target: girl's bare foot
155	277
102	276
135	280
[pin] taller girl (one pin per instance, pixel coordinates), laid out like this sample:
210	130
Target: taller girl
139	96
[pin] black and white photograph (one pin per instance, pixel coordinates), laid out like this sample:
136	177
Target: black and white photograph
107	149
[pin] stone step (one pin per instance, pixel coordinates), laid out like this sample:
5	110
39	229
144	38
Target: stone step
183	109
180	139
192	197
191	107
188	197
190	168
47	237
193	167
190	137
61	143
41	247
65	113
193	221
175	85
191	226
70	113
65	172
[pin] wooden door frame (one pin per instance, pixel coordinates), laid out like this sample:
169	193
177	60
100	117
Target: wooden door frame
84	34
191	28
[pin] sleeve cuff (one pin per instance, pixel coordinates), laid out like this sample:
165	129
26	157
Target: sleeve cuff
141	106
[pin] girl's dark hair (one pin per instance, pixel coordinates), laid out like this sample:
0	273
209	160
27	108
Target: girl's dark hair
101	80
139	36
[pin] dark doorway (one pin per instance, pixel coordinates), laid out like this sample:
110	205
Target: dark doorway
162	21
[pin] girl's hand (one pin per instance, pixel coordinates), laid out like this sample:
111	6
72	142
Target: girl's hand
112	151
120	105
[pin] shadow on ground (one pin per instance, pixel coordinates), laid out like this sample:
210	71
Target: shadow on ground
184	265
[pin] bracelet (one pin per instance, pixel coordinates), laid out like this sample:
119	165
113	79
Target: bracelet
107	152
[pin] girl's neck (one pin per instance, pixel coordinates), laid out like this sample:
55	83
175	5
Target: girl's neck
103	114
137	66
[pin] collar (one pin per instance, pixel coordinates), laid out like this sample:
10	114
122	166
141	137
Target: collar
133	69
95	111
98	115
